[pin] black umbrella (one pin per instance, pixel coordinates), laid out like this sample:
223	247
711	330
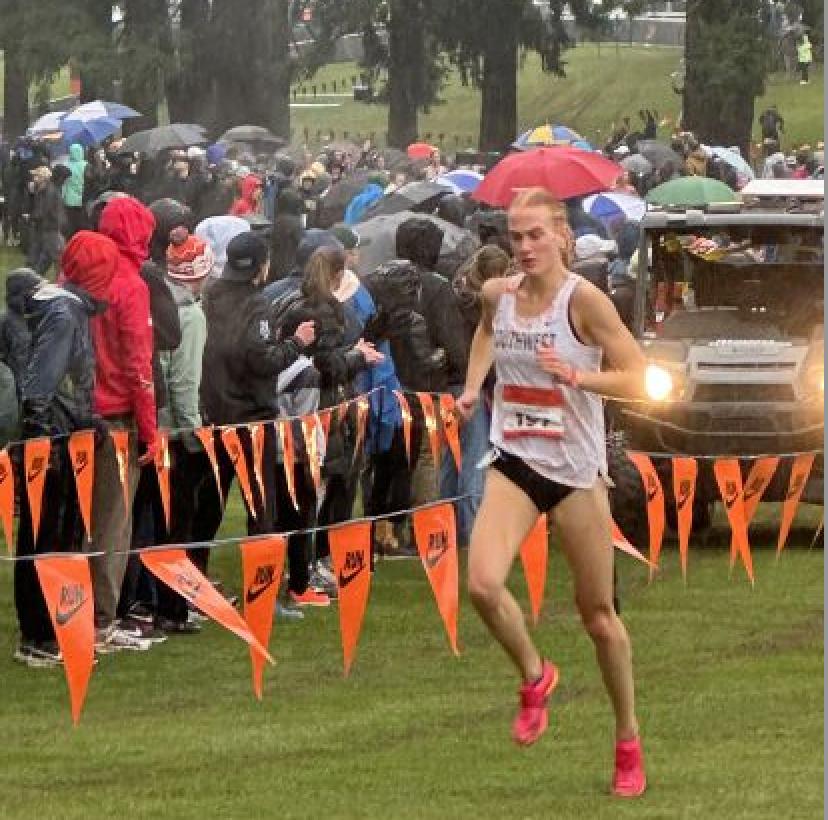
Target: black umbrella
163	138
251	134
659	154
415	196
378	242
332	206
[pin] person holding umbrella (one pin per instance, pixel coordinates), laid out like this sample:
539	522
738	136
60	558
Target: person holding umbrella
548	332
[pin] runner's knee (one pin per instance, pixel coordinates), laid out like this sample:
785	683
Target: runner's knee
600	621
484	588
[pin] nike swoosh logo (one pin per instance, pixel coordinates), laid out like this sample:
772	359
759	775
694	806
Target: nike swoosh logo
344	579
432	559
651	494
63	618
749	495
682	502
254	593
729	502
33	474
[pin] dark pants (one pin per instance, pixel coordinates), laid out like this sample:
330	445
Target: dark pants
76	220
299	547
61	530
804	68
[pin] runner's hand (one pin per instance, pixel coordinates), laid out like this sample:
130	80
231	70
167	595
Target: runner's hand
551	363
466	403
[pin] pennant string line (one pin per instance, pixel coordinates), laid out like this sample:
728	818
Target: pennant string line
235	539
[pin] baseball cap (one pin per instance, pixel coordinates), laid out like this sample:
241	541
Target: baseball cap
246	253
591	244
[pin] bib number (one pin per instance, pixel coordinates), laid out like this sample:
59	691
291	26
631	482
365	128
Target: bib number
532	412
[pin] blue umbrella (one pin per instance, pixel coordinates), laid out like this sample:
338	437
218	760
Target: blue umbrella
97	109
463	181
613	208
734	160
90	132
47	123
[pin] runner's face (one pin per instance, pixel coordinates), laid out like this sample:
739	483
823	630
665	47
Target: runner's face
538	238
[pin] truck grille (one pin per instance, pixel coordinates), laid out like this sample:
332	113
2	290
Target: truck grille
743	393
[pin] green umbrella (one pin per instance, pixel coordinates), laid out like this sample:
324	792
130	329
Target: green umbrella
691	192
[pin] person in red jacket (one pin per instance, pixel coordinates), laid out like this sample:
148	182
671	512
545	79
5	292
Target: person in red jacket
251	195
125	398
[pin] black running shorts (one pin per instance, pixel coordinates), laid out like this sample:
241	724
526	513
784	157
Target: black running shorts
544	493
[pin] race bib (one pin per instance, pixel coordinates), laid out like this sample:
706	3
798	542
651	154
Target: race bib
532	412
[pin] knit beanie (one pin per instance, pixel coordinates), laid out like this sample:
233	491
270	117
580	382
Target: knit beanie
189	259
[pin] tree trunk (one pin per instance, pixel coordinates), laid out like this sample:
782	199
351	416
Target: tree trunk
146	46
16	93
406	55
190	88
276	90
498	103
725	70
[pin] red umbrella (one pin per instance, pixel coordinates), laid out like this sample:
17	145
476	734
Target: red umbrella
420	150
562	170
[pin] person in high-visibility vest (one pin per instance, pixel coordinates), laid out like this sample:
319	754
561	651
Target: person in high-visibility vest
804	56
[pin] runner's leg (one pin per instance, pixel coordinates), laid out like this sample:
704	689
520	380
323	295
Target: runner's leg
583	521
504	520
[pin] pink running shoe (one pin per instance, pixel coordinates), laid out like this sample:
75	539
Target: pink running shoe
629	779
533	718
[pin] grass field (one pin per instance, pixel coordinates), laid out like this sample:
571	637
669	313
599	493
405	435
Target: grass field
602	85
729	689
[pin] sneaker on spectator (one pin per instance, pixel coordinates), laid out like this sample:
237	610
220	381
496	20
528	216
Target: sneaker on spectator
171	627
288	612
141	629
121	639
194	616
324	570
310	597
319	583
38	655
140	612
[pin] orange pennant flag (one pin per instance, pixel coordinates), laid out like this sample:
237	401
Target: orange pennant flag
405	412
262	562
685	471
800	471
208	442
309	428
162	470
7	499
760	475
655	505
233	446
620	542
351	557
257	441
67	589
289	459
363	409
120	439
82	454
729	478
36	458
449	419
436	534
427	403
325	423
534	555
175	569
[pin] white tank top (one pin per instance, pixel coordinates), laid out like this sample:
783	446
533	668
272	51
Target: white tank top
557	430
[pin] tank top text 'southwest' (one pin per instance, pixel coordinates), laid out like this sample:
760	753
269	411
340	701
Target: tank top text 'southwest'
557	430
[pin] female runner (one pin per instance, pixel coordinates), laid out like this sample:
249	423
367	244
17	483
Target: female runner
547	331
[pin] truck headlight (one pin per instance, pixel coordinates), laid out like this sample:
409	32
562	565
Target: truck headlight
657	382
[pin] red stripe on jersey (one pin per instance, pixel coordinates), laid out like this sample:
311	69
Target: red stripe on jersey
533	396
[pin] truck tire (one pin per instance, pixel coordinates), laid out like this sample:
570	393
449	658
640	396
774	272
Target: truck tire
628	498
